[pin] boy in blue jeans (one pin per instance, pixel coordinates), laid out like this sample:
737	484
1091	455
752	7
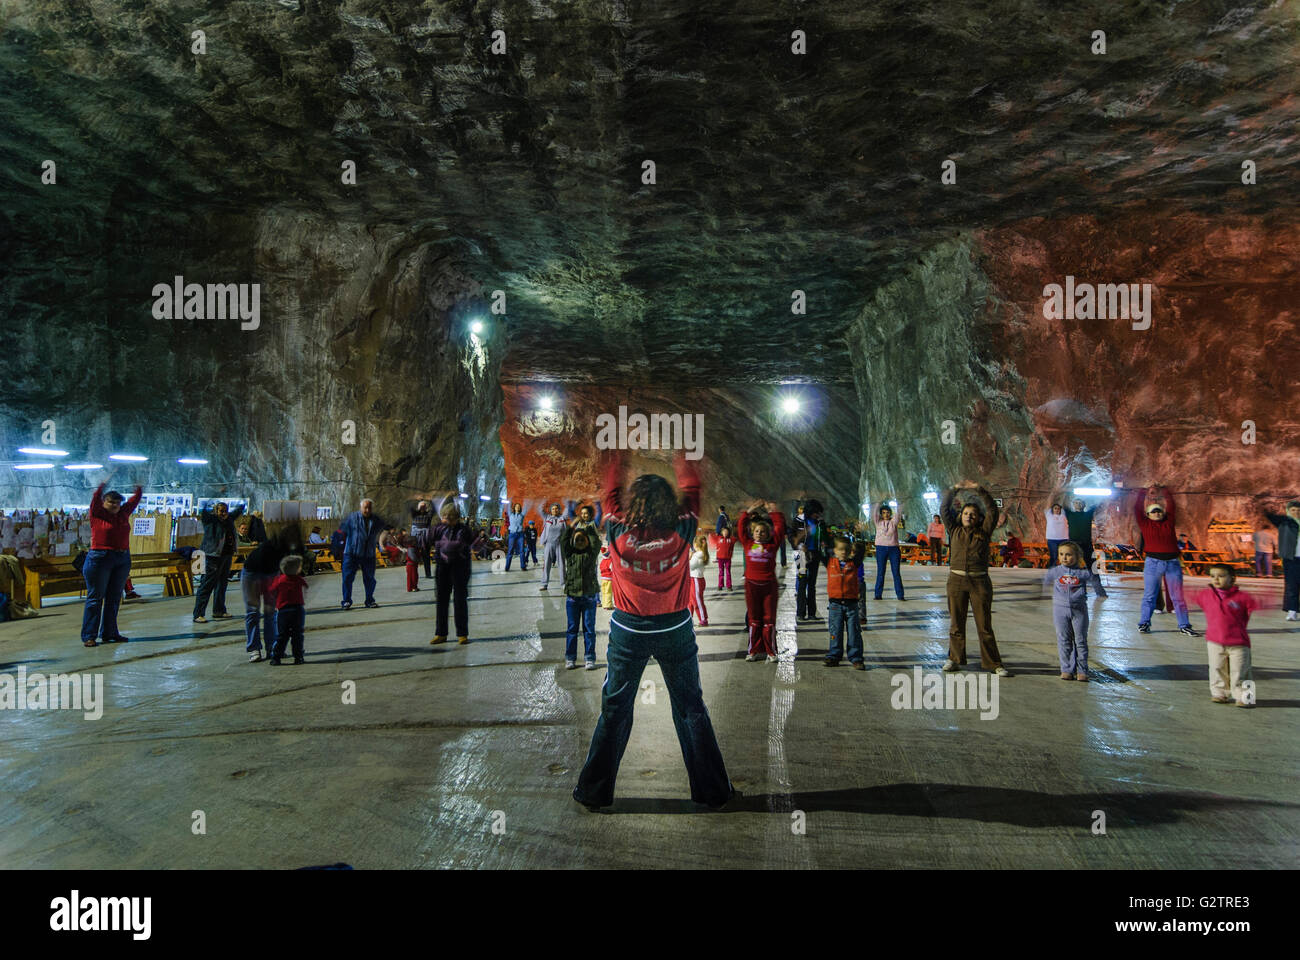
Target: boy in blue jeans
843	590
580	550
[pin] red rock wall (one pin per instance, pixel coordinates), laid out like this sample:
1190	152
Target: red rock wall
1166	403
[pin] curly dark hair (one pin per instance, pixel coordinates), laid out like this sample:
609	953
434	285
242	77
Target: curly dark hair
760	518
652	503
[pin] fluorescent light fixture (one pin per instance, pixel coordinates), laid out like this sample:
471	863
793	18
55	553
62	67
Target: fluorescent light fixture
132	457
83	466
476	326
790	405
43	451
930	495
505	499
484	496
894	504
192	461
546	403
33	466
1093	491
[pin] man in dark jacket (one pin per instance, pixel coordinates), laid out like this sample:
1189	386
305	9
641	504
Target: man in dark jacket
363	529
723	521
1288	548
218	547
819	544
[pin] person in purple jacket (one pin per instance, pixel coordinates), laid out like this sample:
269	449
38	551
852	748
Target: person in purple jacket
449	542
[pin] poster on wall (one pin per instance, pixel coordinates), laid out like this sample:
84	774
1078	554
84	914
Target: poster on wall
172	503
206	503
142	526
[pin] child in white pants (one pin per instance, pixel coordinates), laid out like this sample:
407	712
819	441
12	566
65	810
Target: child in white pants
1227	612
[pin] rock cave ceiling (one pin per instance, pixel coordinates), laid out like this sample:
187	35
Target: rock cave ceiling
775	171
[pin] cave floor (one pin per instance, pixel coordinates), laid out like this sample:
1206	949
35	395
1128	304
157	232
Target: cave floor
465	756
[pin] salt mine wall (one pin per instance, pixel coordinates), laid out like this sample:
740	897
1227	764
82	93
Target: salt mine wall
357	324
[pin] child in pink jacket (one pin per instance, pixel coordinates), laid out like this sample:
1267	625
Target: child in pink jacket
1227	611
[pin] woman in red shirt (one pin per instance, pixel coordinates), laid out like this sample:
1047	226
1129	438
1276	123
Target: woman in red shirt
649	545
107	564
722	544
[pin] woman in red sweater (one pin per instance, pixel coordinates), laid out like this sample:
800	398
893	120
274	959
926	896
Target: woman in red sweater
107	564
649	545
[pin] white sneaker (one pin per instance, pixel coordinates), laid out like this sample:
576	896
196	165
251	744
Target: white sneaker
949	666
1002	672
750	658
1292	615
255	657
591	665
200	619
771	659
570	664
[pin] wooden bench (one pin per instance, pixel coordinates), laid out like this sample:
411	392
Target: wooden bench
173	568
51	576
1198	562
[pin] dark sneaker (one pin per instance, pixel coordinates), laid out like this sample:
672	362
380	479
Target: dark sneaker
274	661
859	665
1189	631
832	662
1144	628
299	660
370	604
591	807
735	795
346	604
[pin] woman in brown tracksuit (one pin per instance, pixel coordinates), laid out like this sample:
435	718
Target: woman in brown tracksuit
969	534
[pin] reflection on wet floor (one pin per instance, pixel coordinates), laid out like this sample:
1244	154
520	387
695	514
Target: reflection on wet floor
465	756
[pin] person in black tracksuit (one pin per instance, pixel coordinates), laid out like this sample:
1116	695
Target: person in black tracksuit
1288	548
819	545
218	547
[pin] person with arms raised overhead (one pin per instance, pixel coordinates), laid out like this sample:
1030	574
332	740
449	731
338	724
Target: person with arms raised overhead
1154	512
969	586
650	536
107	564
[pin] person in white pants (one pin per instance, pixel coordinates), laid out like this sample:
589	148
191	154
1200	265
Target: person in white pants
553	526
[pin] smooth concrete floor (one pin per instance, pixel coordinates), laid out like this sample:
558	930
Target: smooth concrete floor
466	756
